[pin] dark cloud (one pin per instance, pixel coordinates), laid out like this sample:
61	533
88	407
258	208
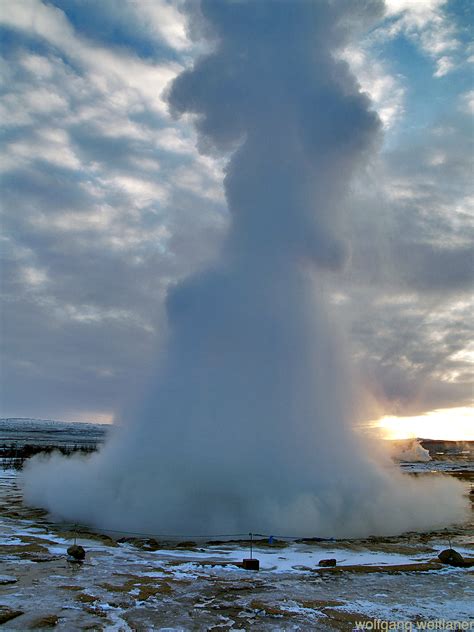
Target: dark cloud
407	289
106	202
95	231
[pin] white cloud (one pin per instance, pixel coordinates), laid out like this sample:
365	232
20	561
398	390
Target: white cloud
427	24
139	191
34	277
121	76
444	65
98	219
198	182
40	20
467	102
51	145
164	20
386	90
42	101
38	65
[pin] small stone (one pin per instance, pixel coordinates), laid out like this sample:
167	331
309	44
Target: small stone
329	562
77	552
251	564
452	557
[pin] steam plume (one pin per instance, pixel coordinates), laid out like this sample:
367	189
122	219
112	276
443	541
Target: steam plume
249	423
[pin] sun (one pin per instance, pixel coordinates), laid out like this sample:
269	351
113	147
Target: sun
451	424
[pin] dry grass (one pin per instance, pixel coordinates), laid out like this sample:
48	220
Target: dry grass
317	604
73	588
86	535
21	549
97	612
147	586
48	621
86	598
344	621
270	610
31	539
416	567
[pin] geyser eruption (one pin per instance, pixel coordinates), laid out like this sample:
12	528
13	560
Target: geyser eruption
248	426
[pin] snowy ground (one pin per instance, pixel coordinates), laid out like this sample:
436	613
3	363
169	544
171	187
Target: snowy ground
144	585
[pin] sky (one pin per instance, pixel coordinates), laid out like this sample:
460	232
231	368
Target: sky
107	202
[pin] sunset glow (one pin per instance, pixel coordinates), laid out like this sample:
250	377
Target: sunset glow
452	424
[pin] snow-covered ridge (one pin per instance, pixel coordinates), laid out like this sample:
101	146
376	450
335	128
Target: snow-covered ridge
23	430
18	423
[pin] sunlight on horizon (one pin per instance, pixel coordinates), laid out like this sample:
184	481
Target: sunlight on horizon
451	424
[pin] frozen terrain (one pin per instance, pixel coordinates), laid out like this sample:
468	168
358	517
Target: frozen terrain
128	582
145	584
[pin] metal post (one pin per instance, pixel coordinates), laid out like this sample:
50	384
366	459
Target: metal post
251	545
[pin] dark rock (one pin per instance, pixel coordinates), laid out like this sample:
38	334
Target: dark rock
7	614
251	564
329	562
77	552
452	557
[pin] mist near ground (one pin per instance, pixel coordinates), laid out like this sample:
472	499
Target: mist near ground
248	424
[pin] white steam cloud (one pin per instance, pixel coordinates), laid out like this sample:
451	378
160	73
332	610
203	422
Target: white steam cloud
410	451
248	425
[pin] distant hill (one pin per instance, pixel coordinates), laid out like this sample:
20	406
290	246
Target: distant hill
439	449
21	430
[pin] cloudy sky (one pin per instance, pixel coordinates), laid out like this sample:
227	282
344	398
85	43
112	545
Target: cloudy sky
106	201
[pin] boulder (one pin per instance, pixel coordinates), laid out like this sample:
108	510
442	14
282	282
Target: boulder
251	564
7	614
329	562
77	552
452	557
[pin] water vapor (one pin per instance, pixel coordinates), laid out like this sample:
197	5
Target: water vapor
249	422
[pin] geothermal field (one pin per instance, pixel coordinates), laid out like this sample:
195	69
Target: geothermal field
129	581
238	236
